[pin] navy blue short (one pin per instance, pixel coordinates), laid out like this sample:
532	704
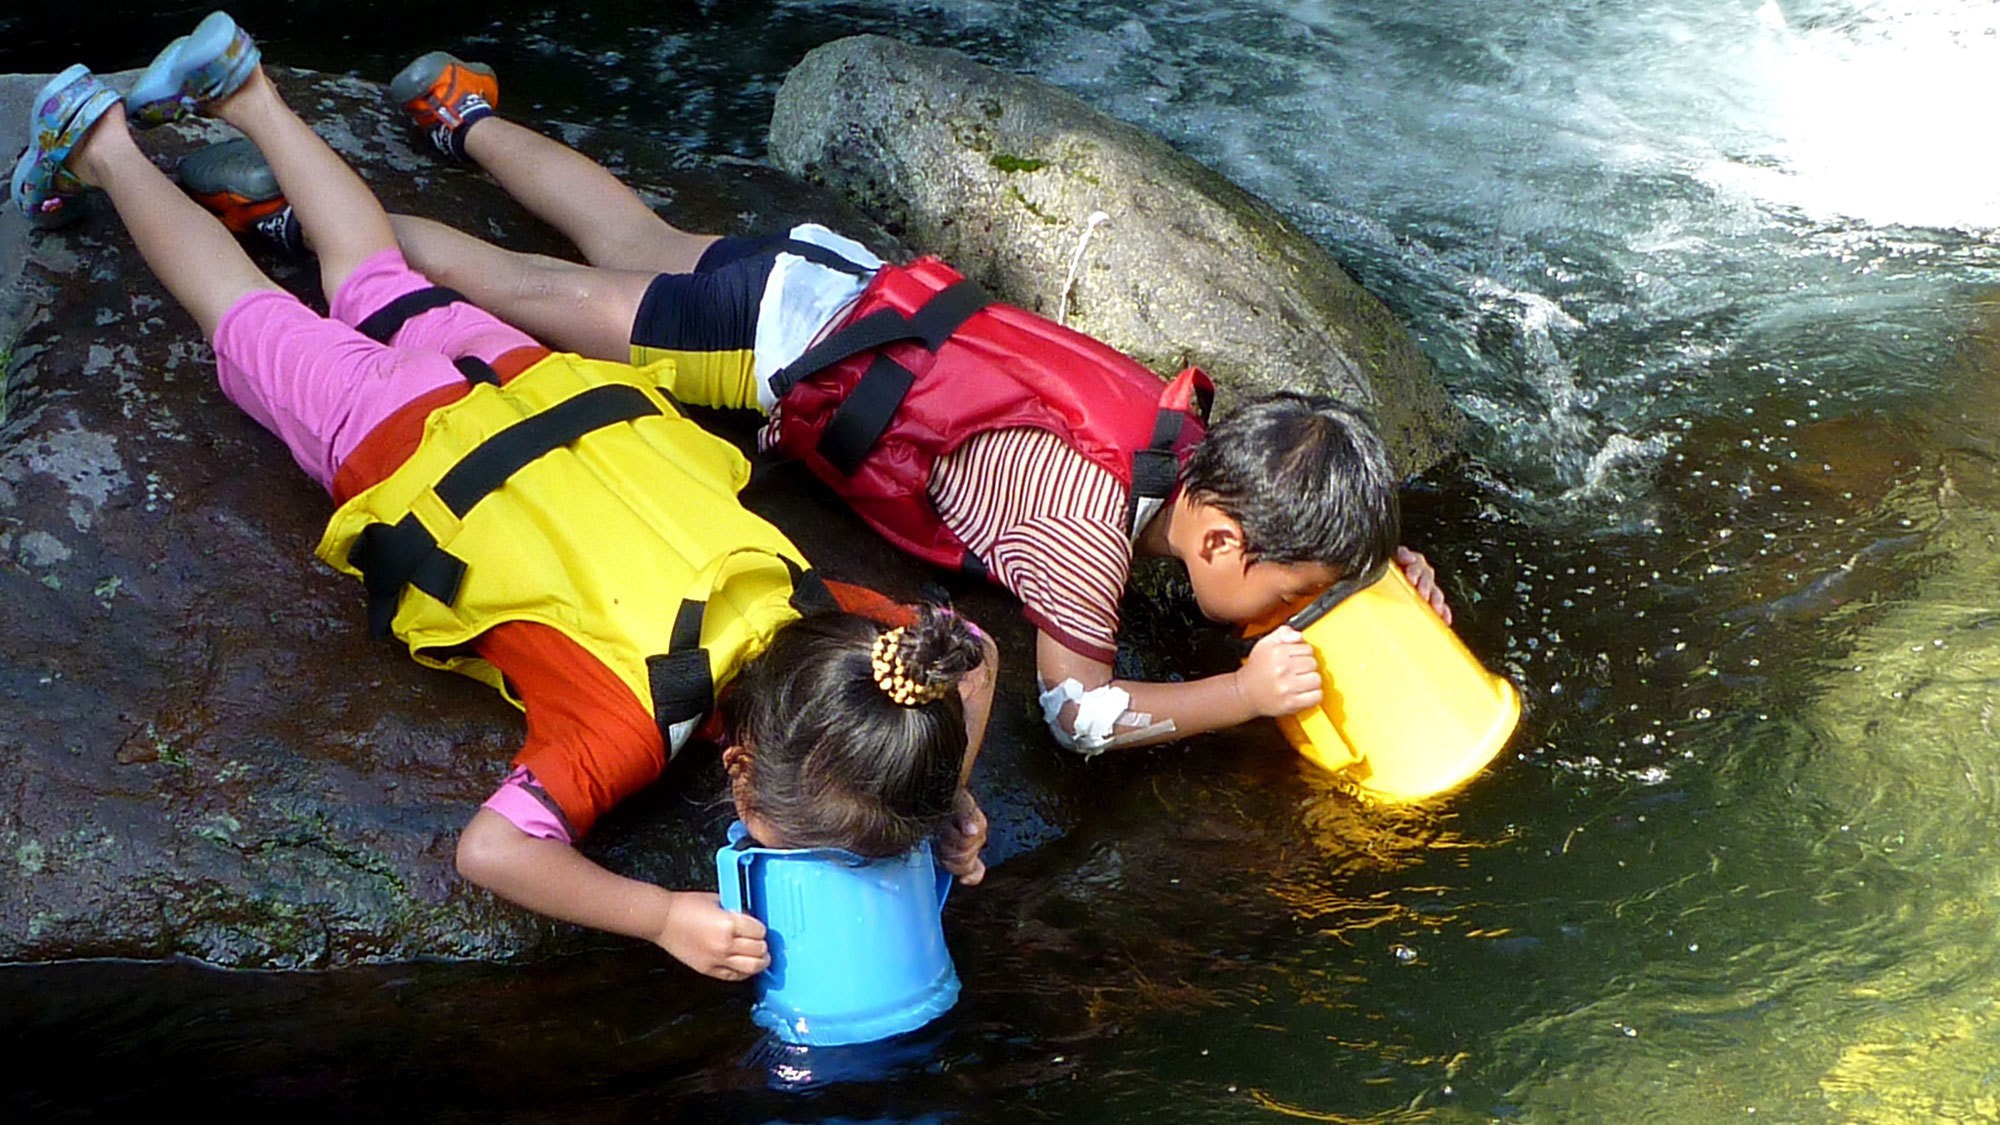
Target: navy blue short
706	321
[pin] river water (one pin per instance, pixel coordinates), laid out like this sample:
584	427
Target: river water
1714	282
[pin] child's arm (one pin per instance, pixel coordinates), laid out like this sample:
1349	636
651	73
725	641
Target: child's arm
965	837
1280	677
553	878
975	691
1082	704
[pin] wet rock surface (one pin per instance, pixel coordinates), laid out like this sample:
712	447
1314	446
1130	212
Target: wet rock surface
1060	209
205	753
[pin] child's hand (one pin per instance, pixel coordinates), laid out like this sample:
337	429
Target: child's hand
1282	675
963	839
713	941
1424	577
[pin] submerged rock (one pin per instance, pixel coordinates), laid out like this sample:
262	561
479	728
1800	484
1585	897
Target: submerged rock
1060	209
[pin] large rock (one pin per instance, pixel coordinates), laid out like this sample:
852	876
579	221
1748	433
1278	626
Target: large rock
1005	176
204	753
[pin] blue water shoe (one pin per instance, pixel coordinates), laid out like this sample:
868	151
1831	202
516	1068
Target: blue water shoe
210	62
63	112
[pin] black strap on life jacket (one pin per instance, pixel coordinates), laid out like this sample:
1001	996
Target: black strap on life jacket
820	256
476	370
864	415
1156	468
867	410
681	684
809	592
384	322
381	324
679	679
391	557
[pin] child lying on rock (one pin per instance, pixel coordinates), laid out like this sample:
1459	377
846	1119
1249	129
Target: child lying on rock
542	521
978	436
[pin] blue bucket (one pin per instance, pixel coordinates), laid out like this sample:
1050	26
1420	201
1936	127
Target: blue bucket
857	945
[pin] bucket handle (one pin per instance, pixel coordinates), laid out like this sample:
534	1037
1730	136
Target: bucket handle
733	882
944	881
1335	594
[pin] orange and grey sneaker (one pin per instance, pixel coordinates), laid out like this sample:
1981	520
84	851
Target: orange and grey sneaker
232	179
444	95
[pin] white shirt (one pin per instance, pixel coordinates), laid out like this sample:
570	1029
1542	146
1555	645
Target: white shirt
801	298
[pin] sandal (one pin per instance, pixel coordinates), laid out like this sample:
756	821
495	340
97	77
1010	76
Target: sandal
443	94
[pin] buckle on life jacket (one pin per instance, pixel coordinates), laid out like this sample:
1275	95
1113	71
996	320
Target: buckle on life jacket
1156	469
393	557
680	679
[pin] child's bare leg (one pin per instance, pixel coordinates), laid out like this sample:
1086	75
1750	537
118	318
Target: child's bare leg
341	218
191	253
582	309
606	220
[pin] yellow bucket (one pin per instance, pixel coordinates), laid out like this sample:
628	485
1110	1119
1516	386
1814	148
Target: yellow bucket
1408	711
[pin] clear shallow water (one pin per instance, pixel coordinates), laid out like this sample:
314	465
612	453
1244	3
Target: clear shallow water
1714	282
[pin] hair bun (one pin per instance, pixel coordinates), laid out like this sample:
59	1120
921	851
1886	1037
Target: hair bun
921	662
943	643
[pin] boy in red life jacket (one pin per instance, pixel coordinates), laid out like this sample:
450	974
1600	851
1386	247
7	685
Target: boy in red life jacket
973	434
497	470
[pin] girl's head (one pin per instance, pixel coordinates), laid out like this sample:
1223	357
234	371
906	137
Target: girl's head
851	734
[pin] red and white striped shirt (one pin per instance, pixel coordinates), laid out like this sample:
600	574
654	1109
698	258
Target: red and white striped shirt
1048	523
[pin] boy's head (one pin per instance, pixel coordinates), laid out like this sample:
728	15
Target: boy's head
1284	496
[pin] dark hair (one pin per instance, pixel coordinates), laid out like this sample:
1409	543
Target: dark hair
834	762
1307	477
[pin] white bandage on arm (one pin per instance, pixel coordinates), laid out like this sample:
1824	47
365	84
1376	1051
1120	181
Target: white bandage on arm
1103	719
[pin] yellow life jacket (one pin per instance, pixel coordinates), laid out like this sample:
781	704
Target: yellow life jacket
578	497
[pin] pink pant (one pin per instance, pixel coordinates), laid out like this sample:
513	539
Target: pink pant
320	385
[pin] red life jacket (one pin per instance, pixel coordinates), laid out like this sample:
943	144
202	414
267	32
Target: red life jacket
927	360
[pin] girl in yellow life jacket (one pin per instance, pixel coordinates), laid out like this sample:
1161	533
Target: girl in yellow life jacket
545	523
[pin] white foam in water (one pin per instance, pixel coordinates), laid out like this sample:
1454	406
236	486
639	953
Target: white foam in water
1881	116
1867	110
1614	464
1567	423
1723	184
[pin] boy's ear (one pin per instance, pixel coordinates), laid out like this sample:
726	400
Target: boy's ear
1221	534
